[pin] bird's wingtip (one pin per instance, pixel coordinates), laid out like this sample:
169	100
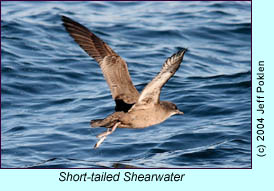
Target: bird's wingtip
183	50
180	53
64	18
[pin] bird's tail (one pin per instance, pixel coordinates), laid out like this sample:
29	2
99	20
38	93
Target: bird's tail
102	123
107	122
96	123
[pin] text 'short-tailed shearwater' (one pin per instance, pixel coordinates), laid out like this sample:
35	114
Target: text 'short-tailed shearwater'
133	110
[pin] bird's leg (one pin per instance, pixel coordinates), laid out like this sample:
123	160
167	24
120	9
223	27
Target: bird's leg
99	142
104	135
109	131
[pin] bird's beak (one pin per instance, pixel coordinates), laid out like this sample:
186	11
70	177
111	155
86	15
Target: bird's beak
179	112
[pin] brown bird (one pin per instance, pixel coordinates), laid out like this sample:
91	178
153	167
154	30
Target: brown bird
133	110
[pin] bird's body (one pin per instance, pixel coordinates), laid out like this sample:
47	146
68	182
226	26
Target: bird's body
133	110
138	117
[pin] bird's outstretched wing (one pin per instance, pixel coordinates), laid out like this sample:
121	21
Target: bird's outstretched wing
113	66
151	93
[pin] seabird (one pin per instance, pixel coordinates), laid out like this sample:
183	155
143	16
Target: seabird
133	110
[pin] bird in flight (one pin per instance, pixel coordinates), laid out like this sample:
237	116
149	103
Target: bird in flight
133	109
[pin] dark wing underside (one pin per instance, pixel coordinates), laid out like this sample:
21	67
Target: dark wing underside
114	68
151	93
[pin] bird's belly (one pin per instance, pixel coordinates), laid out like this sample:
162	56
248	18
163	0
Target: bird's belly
143	119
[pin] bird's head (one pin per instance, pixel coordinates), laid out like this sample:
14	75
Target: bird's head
171	108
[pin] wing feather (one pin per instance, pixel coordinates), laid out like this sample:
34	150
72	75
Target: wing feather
151	93
114	68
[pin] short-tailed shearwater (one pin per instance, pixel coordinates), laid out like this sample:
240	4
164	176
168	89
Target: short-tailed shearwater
133	110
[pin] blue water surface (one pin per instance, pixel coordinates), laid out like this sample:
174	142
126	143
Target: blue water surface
51	89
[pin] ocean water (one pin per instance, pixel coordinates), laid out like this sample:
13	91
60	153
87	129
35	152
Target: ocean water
51	89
